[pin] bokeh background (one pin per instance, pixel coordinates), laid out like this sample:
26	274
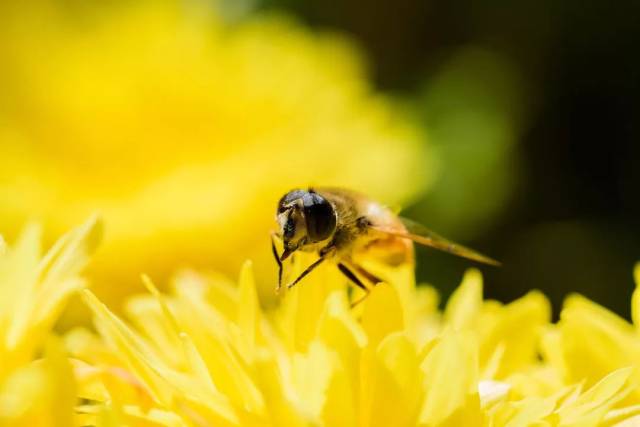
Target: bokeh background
512	127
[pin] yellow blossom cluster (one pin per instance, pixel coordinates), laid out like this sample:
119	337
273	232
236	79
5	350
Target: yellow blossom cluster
207	353
182	129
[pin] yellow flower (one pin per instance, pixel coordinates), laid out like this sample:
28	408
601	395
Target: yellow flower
33	291
590	341
208	353
184	131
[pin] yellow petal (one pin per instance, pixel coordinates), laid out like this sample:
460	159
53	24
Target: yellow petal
524	413
18	271
213	336
167	386
594	341
628	416
383	314
339	331
146	315
635	298
337	309
85	345
125	343
492	391
64	387
629	422
36	290
277	395
18	282
551	349
301	307
310	377
340	407
89	381
168	317
464	304
397	389
152	316
248	309
71	252
217	289
451	379
58	269
40	394
517	331
591	406
197	365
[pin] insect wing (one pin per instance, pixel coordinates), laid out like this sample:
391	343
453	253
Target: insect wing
422	235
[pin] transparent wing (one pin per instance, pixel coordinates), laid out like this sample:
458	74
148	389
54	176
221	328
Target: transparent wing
422	235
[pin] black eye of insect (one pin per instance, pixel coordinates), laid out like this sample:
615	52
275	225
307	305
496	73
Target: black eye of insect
319	215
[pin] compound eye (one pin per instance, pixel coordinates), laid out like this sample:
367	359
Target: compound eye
288	198
320	217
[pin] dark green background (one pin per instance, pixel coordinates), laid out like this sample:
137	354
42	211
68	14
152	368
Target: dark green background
535	105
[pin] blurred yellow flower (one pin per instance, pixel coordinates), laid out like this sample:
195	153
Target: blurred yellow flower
183	130
33	291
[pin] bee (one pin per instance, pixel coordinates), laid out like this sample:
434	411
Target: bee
343	226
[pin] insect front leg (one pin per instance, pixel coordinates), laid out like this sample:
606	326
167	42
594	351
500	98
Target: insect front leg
277	257
305	272
325	253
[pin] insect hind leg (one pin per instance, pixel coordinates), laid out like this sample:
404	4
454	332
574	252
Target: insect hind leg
356	281
368	275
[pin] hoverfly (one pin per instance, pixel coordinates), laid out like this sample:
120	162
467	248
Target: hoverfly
341	225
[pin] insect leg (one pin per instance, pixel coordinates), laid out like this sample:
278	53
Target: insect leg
277	257
369	276
305	272
354	279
